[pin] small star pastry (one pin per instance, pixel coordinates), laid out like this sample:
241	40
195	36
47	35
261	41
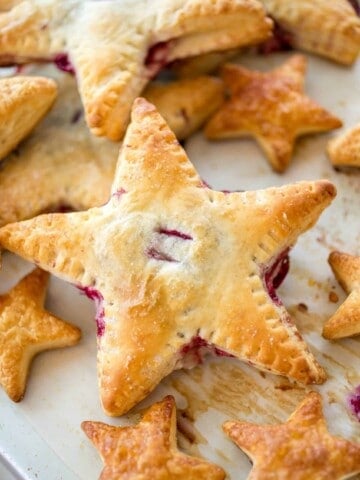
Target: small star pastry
346	320
271	107
300	449
330	29
27	329
24	102
186	104
344	150
62	166
148	450
177	269
115	57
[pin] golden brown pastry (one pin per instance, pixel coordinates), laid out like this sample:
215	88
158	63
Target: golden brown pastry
271	107
344	150
202	64
346	320
300	449
186	104
62	166
115	57
328	28
178	270
23	103
27	329
148	450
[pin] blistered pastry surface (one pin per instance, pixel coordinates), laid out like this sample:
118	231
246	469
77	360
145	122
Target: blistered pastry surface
221	389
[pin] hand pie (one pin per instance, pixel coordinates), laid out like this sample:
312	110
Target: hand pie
24	102
344	150
148	449
271	107
115	57
330	29
346	320
300	449
186	104
62	166
27	329
177	269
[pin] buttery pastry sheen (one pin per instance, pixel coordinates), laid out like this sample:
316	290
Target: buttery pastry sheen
346	320
117	46
27	329
23	103
271	107
300	449
62	166
148	450
344	150
176	269
330	29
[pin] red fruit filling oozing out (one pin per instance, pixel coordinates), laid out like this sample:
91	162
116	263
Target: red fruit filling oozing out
354	402
275	275
194	352
63	63
356	6
157	57
96	296
280	41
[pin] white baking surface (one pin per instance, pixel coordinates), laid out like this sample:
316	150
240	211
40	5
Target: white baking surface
41	439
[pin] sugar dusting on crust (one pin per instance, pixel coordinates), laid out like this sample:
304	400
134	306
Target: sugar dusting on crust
275	274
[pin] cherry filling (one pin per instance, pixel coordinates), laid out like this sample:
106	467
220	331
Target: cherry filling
154	251
96	296
157	57
175	233
193	353
354	402
280	41
356	6
275	274
63	63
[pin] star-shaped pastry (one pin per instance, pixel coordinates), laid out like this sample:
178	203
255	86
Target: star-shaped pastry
300	449
330	29
177	269
344	150
148	450
27	329
62	166
346	320
116	47
23	103
271	107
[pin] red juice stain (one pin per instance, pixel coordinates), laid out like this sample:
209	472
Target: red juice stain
354	402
